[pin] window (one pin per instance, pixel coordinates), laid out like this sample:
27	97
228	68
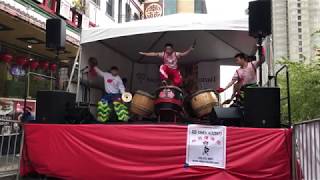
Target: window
200	6
299	17
109	9
299	23
299	30
170	7
299	11
300	43
300	36
120	12
299	5
128	12
136	16
50	5
97	2
301	56
300	49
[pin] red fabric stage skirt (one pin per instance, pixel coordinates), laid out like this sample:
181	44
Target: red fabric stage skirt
157	152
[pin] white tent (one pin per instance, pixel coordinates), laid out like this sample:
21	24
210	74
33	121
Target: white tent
218	40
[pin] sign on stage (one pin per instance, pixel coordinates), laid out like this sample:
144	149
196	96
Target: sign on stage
206	146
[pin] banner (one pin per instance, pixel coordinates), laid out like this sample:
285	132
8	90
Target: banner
206	146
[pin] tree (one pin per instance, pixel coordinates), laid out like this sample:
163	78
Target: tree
304	89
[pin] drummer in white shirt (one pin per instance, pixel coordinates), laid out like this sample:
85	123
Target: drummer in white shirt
114	88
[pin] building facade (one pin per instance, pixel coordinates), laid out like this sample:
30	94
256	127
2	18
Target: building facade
156	8
296	26
23	36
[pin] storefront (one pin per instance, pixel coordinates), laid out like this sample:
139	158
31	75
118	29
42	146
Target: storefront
23	50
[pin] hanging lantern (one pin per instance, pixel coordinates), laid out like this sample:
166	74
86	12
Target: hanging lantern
44	65
7	58
21	60
34	65
53	67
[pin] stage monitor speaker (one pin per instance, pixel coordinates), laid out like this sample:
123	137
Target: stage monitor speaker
231	116
54	106
260	18
55	34
262	107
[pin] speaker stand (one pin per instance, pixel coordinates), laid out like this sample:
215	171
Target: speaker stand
260	54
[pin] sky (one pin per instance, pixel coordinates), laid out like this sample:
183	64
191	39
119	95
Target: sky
228	8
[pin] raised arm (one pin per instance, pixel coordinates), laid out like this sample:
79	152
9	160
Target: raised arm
98	71
186	52
150	54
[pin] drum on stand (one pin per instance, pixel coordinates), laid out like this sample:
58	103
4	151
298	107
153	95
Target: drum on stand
202	102
168	103
142	104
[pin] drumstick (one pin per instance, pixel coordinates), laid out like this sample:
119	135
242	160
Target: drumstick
194	44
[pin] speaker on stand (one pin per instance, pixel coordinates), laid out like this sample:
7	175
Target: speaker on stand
260	25
55	40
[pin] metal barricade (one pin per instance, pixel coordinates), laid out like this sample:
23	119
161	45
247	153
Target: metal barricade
11	141
306	146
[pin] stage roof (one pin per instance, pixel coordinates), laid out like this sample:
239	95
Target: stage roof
217	38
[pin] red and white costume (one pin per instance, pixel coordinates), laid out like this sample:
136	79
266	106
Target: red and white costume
169	68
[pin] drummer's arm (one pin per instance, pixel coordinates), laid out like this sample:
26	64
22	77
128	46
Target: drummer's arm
230	84
150	54
98	71
121	86
186	52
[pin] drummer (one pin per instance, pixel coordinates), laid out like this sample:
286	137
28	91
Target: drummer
114	88
169	69
245	76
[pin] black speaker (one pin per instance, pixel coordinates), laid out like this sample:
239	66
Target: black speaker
231	116
260	18
55	33
262	107
54	106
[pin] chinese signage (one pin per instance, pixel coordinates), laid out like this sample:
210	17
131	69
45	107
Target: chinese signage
65	9
152	10
206	146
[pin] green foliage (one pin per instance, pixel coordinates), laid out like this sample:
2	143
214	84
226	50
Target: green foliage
304	89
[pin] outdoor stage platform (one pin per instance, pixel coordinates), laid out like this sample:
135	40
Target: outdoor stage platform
157	152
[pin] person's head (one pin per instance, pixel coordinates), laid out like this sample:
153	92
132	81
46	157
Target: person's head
241	59
168	48
114	70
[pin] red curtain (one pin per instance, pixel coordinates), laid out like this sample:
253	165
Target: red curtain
132	152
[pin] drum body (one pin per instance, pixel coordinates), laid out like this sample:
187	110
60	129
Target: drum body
169	98
142	104
203	101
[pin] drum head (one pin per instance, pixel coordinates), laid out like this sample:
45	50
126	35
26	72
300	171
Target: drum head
144	94
202	91
170	87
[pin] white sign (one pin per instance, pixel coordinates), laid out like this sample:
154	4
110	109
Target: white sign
85	21
65	9
206	146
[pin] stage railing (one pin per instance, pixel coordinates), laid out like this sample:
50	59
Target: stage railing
306	146
11	140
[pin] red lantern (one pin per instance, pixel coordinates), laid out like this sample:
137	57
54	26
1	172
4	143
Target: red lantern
7	58
44	65
53	67
21	61
34	65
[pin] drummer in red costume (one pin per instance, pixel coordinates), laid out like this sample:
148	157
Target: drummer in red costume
169	69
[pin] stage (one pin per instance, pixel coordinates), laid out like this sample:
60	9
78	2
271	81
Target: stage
149	152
